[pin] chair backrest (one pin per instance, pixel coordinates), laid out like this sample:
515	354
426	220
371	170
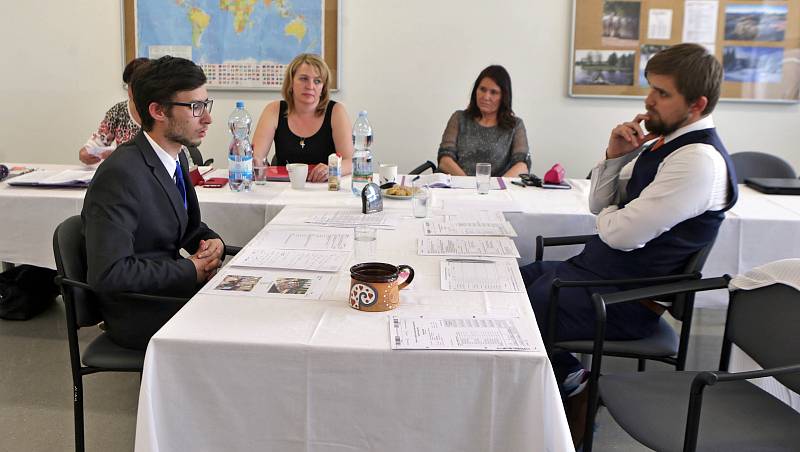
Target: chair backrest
759	164
420	169
197	156
683	304
763	323
69	249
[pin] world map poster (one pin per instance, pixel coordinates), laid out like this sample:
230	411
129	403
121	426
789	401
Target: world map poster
240	44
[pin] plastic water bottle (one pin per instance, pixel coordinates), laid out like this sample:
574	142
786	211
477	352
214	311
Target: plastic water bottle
240	152
362	156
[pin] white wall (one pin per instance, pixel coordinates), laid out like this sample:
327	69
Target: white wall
410	63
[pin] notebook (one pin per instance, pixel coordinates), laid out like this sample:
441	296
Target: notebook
774	186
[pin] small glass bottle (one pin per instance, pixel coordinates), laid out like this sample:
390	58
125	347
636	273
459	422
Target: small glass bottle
334	167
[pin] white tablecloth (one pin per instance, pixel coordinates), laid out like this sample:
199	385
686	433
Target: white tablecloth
231	373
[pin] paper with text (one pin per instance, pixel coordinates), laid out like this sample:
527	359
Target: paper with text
470	333
325	239
323	261
348	218
501	275
467	246
484	228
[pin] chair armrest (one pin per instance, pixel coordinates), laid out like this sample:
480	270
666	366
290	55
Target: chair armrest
627	282
710	378
694	285
542	242
62	281
231	250
552	309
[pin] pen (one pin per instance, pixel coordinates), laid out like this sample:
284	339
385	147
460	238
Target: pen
518	183
471	261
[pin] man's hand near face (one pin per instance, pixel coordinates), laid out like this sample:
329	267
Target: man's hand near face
627	137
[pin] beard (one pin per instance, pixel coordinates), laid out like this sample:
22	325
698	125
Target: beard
659	127
177	134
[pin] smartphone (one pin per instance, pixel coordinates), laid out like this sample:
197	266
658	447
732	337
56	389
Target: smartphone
215	182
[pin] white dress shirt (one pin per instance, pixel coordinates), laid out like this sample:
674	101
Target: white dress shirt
170	164
690	181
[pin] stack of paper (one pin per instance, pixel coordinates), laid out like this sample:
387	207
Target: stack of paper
50	178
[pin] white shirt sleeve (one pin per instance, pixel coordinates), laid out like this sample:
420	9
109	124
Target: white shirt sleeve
609	179
690	181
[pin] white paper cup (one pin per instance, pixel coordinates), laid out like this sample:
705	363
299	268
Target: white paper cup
298	172
388	173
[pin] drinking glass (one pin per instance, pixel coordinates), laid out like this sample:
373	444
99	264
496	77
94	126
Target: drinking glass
420	198
260	171
483	173
364	246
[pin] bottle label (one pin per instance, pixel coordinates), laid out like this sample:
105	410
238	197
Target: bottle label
240	168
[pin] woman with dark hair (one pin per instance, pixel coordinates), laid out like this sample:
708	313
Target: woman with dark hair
306	126
487	131
120	124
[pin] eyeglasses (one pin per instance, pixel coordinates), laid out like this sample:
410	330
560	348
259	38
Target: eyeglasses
198	106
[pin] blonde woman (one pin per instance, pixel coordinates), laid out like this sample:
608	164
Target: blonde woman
306	126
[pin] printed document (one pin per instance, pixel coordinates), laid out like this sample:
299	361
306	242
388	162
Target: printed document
467	246
500	228
469	333
324	239
481	275
348	218
323	261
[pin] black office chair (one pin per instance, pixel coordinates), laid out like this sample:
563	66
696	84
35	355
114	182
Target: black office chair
663	345
759	164
102	354
422	168
716	410
197	157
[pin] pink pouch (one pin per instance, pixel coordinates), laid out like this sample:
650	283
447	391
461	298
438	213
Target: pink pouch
555	175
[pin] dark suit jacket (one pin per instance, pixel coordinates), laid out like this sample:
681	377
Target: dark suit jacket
135	224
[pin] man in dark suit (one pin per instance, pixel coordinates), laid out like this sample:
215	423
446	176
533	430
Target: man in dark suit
141	210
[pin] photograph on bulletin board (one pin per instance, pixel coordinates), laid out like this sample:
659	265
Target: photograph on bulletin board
757	43
241	45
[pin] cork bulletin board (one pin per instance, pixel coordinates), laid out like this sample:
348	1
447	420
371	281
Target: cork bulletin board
758	43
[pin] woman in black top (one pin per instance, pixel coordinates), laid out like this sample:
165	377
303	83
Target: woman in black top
306	126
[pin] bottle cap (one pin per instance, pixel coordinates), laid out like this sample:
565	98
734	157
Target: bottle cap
362	113
239	104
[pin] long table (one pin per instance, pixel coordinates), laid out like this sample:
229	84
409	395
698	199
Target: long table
234	373
759	229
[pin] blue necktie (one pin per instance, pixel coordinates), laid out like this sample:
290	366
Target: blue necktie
180	183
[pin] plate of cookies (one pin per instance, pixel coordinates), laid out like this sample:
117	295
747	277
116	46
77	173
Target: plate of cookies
398	192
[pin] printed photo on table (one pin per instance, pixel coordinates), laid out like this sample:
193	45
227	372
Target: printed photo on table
604	67
238	283
292	286
755	22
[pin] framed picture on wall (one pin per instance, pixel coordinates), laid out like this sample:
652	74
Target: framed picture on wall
241	45
757	42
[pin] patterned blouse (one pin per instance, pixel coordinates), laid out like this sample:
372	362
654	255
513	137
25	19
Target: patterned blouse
468	143
117	127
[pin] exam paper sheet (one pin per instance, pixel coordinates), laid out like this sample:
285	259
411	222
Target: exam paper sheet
481	275
449	333
467	246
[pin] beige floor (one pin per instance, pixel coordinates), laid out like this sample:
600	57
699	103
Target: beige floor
36	404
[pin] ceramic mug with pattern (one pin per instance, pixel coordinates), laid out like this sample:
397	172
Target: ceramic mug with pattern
375	286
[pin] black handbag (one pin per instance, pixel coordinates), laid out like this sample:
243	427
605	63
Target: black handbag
26	291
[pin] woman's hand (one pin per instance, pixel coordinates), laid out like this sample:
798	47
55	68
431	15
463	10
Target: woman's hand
318	174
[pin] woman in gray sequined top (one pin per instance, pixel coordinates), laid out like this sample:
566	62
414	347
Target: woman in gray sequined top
487	131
